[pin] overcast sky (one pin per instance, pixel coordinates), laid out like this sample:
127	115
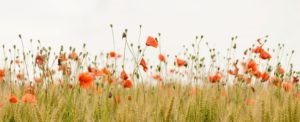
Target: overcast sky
73	22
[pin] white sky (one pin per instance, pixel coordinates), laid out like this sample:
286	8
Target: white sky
72	22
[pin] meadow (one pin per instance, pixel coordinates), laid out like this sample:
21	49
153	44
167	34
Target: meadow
37	84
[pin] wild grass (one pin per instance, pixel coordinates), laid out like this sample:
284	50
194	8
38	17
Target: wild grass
40	85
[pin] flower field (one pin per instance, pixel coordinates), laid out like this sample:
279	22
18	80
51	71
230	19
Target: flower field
41	84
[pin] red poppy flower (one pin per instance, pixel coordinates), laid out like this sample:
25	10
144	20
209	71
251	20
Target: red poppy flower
157	77
13	99
235	71
86	80
280	70
73	56
2	74
123	75
276	81
258	49
29	98
151	42
215	78
249	101
180	62
161	58
252	66
287	86
265	76
265	55
118	99
38	80
143	64
113	54
127	84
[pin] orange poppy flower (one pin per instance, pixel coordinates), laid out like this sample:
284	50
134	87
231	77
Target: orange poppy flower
276	81
258	49
257	74
106	71
38	80
249	101
157	77
2	74
252	66
1	104
235	71
113	54
151	42
265	76
143	64
13	99
29	98
62	57
73	56
118	99
180	62
161	58
265	55
123	75
287	86
86	80
280	70
127	84
215	78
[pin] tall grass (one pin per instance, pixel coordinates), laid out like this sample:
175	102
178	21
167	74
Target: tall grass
40	85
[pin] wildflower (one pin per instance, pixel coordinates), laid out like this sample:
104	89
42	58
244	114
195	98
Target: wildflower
2	74
112	54
252	66
157	77
13	99
258	49
123	75
127	84
1	104
287	86
143	64
215	78
235	71
106	71
29	98
73	56
265	55
280	70
161	58
180	62
86	80
151	42
265	76
118	99
276	81
38	80
249	101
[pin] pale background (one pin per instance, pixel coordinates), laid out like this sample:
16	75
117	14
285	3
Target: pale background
73	22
